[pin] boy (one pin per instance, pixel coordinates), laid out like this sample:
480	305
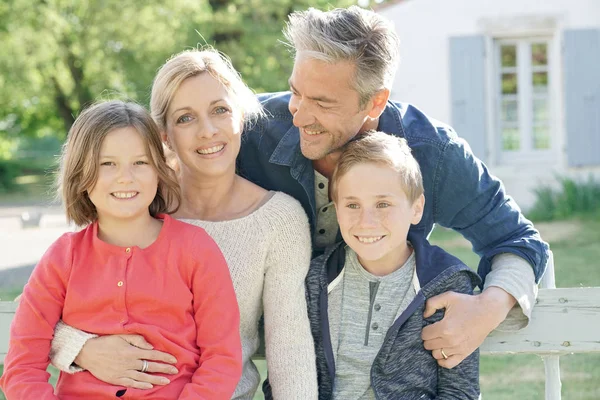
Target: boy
366	295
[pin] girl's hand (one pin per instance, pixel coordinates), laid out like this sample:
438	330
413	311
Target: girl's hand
118	360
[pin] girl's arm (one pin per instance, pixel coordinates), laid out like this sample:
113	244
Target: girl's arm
218	325
31	331
290	350
462	381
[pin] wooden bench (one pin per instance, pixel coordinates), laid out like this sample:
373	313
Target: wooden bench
564	321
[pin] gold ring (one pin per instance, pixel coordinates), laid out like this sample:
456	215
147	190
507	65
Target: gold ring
444	355
144	366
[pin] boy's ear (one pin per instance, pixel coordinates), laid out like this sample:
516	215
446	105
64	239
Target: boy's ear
417	208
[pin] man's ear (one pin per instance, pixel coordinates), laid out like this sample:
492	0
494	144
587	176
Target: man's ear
378	102
417	208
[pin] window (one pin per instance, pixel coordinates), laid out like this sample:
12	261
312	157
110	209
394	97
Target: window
523	99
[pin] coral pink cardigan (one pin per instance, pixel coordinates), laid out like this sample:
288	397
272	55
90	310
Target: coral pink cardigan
177	293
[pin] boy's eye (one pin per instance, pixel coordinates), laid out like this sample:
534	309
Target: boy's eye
184	118
383	205
353	206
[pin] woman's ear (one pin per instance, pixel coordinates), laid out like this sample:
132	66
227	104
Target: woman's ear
417	208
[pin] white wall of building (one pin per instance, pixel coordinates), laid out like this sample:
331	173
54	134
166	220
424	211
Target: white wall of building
424	28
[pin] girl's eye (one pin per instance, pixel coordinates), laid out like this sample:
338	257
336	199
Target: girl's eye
353	206
141	162
107	163
184	118
383	205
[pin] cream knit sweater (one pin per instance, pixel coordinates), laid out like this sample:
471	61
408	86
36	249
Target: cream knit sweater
268	253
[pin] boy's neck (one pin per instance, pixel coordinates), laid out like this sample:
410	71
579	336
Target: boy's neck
140	231
391	262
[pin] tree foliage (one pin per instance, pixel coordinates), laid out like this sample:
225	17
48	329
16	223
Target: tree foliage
60	55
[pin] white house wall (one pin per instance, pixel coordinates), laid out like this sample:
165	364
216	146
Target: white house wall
425	26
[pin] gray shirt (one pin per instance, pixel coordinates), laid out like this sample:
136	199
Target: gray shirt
362	307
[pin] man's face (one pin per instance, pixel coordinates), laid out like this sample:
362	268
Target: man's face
325	107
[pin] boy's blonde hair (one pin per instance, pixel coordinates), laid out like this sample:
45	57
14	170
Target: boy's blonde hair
190	63
383	149
80	157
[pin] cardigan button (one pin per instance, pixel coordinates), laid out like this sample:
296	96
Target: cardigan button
128	250
120	283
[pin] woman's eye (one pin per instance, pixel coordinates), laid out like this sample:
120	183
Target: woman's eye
184	118
221	110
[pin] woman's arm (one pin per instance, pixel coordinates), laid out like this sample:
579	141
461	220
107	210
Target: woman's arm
289	344
40	308
218	325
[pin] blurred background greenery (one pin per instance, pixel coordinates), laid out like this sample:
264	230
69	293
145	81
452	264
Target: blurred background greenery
61	55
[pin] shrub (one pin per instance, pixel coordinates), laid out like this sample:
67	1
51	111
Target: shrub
9	170
573	198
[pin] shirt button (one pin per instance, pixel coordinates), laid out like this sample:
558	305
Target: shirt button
120	283
128	250
321	185
375	326
321	231
324	209
377	307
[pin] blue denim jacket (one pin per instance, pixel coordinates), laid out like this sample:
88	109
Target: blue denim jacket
460	193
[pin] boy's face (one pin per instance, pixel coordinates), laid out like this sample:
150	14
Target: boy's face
375	215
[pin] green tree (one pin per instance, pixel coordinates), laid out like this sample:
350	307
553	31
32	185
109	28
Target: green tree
60	55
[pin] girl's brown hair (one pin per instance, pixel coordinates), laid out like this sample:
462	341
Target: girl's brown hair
80	156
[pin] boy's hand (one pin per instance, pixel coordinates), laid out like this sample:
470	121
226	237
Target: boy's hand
468	320
118	360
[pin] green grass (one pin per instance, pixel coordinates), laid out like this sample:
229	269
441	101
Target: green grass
576	256
30	189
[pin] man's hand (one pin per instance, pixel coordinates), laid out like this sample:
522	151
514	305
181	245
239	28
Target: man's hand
117	359
468	320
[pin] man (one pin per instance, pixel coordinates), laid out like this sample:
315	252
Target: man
345	61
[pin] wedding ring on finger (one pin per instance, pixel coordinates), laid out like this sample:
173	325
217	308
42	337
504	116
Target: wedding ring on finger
444	355
144	366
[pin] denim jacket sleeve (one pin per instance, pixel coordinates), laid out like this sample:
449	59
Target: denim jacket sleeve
468	199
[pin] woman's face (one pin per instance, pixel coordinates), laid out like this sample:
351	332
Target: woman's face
204	127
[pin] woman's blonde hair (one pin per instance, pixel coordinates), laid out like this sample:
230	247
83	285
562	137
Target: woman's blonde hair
190	63
80	156
383	149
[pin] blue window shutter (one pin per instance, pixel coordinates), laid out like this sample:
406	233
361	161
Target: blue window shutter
467	91
581	57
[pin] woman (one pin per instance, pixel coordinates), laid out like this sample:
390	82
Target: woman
201	105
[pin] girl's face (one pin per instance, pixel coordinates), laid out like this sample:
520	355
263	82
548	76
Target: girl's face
204	127
127	179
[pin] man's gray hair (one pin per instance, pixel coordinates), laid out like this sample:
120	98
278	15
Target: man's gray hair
348	34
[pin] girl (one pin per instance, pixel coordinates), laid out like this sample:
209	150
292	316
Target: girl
201	105
132	269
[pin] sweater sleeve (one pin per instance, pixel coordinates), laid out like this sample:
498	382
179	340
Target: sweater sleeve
31	331
217	319
289	344
462	381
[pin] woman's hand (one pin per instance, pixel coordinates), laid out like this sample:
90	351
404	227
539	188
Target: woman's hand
118	360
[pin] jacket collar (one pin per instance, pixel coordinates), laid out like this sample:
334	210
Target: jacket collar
431	261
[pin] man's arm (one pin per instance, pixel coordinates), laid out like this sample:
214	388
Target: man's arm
513	257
